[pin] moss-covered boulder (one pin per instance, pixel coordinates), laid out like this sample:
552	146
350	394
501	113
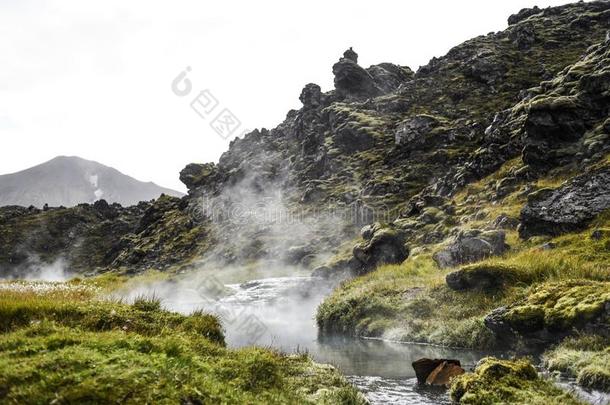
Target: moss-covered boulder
497	381
382	245
471	246
485	277
554	310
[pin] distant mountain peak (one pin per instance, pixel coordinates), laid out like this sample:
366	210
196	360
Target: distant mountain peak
72	180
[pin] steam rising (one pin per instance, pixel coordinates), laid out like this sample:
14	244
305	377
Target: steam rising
37	270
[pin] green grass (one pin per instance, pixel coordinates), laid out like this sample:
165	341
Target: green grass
586	357
60	343
411	301
408	302
507	382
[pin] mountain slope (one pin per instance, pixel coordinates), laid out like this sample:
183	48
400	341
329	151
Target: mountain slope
68	181
469	201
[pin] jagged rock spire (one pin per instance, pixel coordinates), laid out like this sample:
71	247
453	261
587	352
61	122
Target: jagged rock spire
351	55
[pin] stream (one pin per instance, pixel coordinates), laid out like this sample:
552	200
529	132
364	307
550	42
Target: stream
280	313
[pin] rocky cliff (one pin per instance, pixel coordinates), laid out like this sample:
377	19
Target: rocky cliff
387	145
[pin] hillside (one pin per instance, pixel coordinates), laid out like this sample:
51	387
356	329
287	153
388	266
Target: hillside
69	181
467	203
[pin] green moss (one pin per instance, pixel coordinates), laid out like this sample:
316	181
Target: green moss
497	381
560	306
59	344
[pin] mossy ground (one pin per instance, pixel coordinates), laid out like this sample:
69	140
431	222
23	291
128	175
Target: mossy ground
507	382
59	343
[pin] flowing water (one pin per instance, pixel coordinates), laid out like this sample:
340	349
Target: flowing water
279	312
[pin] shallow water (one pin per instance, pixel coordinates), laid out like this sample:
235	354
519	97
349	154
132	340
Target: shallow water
279	312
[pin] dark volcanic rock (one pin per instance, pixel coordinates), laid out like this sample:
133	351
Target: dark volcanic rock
353	80
311	96
523	36
384	246
486	68
569	208
197	174
550	123
523	14
350	140
471	246
412	132
388	77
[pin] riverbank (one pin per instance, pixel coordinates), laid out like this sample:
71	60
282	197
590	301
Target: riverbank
61	343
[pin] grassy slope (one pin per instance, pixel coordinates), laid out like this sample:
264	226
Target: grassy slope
411	301
584	357
59	344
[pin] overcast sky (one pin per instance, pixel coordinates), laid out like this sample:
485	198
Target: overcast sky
93	79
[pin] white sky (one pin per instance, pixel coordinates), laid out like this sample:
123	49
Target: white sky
93	79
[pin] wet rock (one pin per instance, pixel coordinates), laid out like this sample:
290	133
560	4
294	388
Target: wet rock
311	96
412	132
424	367
471	246
385	246
444	373
324	272
570	207
295	254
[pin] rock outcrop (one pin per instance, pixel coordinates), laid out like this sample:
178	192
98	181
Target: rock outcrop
351	80
380	246
570	207
471	246
553	311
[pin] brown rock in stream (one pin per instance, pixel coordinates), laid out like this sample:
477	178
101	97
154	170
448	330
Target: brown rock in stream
443	374
425	367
